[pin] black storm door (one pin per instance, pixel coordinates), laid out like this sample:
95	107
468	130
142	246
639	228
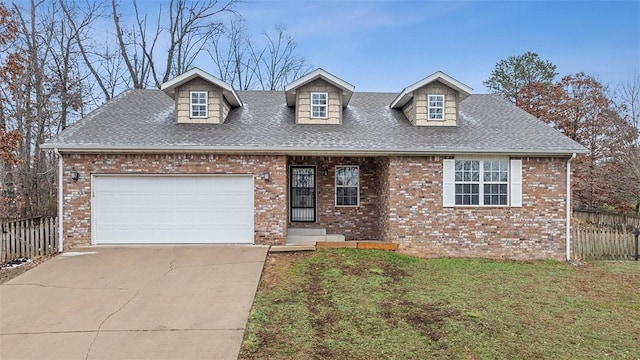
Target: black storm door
303	194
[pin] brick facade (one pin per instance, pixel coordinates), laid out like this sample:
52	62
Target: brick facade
422	226
400	201
269	197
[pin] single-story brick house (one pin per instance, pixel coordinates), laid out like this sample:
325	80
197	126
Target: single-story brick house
434	168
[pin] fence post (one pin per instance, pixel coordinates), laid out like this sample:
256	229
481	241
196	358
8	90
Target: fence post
637	237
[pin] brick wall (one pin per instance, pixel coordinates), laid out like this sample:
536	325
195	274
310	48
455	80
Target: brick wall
384	195
422	226
400	201
356	223
269	197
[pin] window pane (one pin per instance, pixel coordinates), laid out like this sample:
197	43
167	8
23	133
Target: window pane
492	175
495	194
319	99
436	107
436	100
347	185
346	196
495	171
467	194
467	171
347	176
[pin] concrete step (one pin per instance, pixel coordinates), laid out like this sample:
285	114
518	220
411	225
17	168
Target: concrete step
305	239
306	231
312	239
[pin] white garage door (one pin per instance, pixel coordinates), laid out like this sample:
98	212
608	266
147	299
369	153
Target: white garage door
172	209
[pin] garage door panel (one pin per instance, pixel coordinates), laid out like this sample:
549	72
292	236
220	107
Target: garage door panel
172	209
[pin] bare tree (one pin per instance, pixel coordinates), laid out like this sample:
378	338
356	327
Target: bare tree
53	70
628	96
231	53
79	23
247	65
278	64
192	26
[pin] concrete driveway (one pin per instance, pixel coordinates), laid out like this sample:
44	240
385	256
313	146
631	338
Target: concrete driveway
151	302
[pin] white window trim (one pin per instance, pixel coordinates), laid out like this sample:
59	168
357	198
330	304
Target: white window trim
335	182
206	105
429	107
325	106
514	182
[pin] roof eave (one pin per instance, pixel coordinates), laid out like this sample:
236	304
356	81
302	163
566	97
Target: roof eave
227	90
307	150
401	100
347	89
407	93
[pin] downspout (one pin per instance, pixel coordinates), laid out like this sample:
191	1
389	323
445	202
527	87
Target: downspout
60	200
568	207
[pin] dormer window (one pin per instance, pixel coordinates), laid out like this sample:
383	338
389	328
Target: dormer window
319	98
436	107
201	98
199	104
432	101
319	105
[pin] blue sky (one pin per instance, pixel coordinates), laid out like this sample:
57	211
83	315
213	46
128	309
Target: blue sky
387	45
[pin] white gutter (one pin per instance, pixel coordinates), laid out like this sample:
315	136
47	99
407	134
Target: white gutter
568	206
306	151
60	200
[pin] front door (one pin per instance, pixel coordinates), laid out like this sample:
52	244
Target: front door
302	194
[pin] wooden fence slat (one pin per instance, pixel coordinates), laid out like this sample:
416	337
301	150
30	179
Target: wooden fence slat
3	242
28	238
45	245
23	238
602	242
29	231
41	237
53	247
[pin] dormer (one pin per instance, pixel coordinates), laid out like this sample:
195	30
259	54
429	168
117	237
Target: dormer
432	101
318	98
201	98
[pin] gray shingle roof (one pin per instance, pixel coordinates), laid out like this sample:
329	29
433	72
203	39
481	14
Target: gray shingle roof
144	120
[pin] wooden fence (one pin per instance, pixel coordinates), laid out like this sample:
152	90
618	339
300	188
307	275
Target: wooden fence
28	238
597	236
601	219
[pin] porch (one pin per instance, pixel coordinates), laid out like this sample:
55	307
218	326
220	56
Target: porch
334	199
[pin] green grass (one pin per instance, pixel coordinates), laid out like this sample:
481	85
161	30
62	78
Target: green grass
350	304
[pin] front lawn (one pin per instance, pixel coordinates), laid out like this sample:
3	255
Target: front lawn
359	304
